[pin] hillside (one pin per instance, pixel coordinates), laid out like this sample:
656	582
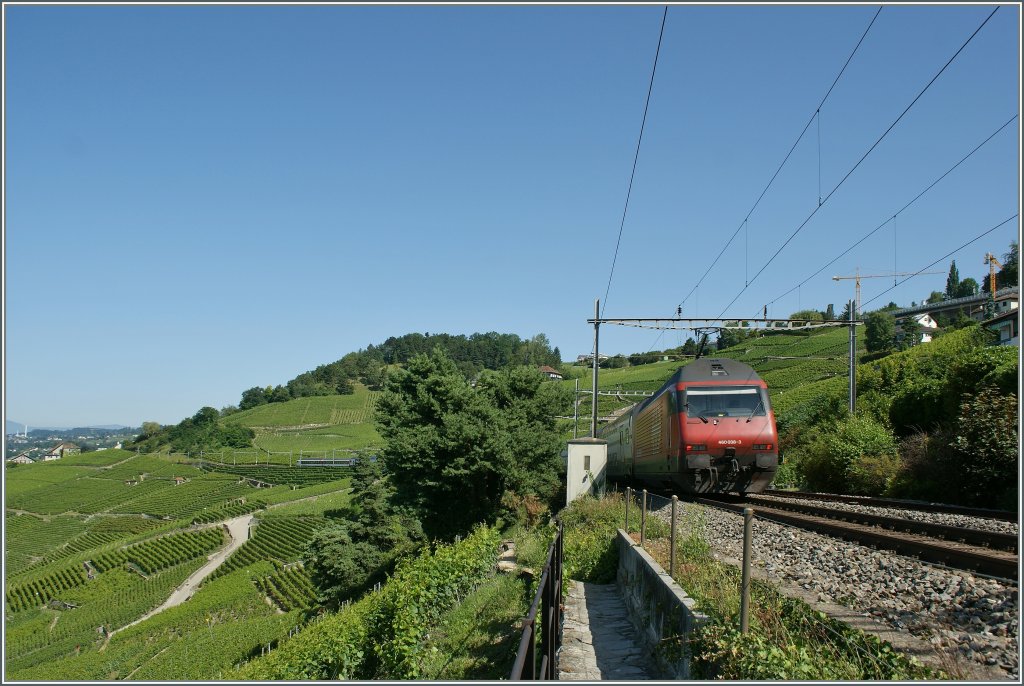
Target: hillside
100	539
315	425
789	363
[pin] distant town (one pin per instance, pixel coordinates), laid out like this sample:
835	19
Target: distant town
38	445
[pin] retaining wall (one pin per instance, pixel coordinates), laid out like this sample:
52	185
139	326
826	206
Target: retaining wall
658	607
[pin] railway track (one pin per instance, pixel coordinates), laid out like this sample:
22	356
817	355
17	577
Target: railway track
1001	515
970	549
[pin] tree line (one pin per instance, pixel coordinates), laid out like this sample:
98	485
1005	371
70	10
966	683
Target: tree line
471	355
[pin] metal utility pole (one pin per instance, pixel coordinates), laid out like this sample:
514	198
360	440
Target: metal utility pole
576	409
853	358
597	324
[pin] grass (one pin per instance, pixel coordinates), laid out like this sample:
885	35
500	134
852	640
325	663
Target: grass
478	640
310	508
318	424
325	439
323	410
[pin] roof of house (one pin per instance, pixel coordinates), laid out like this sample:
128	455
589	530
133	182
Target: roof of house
1005	316
548	370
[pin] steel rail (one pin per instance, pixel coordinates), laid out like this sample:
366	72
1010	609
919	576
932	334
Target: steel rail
996	563
1002	515
975	537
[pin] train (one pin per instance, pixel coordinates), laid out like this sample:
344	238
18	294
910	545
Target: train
709	429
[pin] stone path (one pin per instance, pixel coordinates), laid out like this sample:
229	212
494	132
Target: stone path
238	530
598	640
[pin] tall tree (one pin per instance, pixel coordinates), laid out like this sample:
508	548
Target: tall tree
252	397
952	281
453	450
880	330
912	332
1007	275
830	313
967	287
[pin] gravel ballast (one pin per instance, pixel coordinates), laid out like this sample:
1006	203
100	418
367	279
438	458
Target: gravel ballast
977	617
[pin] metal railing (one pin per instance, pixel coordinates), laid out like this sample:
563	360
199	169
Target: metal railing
549	601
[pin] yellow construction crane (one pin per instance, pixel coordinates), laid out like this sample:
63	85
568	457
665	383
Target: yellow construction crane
858	276
992	262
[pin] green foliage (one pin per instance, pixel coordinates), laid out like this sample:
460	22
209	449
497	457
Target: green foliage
809	315
289	587
441	434
275	538
419	593
474	641
589	529
333	646
384	635
1007	274
969	287
202	431
792	642
986	442
880	331
856	456
614	362
341	568
952	282
162	553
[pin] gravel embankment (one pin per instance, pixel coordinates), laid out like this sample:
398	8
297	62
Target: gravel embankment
976	616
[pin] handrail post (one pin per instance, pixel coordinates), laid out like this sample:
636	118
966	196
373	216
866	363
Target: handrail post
629	496
643	517
748	519
672	541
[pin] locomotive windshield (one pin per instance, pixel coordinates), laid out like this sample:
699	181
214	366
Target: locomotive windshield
724	401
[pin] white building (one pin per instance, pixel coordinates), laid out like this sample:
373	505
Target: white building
924	320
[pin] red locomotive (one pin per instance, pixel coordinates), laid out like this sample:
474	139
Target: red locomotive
709	429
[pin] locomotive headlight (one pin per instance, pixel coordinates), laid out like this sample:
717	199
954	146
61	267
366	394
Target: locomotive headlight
762	446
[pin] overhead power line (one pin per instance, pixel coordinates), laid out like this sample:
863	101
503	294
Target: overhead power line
898	212
814	115
861	160
629	190
949	254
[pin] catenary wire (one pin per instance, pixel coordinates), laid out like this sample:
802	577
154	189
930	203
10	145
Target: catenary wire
898	212
799	138
860	161
640	138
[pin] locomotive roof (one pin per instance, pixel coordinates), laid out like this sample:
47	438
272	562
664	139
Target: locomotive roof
715	369
707	369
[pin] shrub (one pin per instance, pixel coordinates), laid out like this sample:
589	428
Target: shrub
986	445
857	456
589	552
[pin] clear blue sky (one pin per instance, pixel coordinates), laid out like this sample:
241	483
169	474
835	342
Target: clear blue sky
203	199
